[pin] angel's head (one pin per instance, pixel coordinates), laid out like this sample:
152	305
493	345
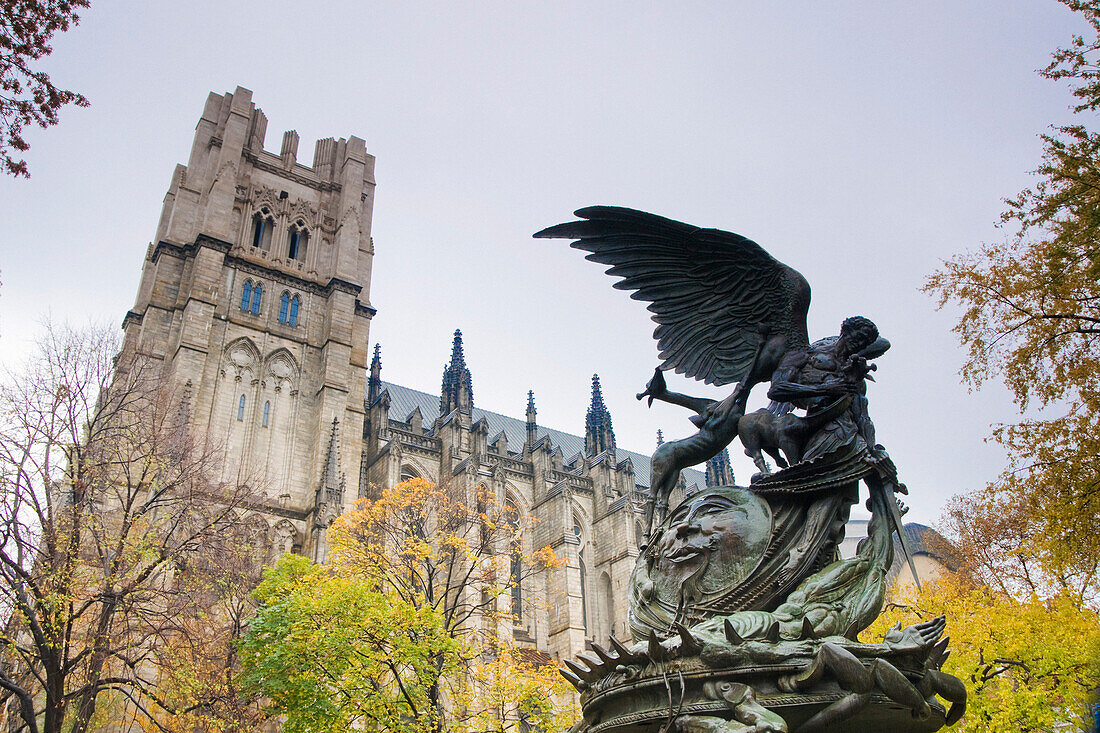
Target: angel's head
856	334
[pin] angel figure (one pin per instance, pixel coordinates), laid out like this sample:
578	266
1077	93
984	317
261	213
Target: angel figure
727	312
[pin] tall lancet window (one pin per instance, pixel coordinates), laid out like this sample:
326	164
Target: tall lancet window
292	318
251	295
240	408
298	239
288	309
262	228
584	592
511	518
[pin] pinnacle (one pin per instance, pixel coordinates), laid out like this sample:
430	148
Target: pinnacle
597	394
599	435
457	355
458	392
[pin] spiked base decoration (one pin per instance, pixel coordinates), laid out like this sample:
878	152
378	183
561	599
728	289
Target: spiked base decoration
793	663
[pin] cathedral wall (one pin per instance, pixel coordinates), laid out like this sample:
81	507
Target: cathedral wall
249	318
266	385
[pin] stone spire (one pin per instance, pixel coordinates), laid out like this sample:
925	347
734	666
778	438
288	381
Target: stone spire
599	436
330	475
458	391
330	495
532	424
374	383
719	470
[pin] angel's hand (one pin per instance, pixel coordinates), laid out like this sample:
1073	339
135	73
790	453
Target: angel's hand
838	387
858	368
655	388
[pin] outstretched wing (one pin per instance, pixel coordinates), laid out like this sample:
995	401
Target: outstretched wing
716	296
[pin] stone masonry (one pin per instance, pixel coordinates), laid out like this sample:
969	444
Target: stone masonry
255	294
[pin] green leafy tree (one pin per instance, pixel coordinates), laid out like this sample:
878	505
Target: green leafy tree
398	629
1031	318
334	654
27	95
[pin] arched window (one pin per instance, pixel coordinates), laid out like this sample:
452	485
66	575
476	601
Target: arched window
262	227
267	413
606	600
511	519
407	473
240	408
584	592
298	239
288	309
251	296
292	319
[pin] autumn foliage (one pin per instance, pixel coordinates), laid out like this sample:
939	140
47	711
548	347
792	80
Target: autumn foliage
1030	317
108	508
401	629
1029	664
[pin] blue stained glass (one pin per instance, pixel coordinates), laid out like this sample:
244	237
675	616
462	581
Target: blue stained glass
267	411
246	296
283	303
257	293
240	409
293	319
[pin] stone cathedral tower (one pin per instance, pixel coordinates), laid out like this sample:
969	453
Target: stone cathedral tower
255	293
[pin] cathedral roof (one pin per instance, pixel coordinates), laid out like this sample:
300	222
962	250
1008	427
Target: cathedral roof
403	400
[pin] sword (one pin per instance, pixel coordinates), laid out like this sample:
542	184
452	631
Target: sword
894	514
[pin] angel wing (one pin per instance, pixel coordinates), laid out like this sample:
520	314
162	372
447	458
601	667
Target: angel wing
718	298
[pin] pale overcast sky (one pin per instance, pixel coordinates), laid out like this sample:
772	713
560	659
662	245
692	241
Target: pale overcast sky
859	141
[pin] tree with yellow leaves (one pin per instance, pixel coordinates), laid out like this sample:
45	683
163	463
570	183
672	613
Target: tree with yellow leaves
506	693
398	629
1028	664
1031	318
105	499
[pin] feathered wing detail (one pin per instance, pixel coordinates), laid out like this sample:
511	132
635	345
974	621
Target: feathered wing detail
716	297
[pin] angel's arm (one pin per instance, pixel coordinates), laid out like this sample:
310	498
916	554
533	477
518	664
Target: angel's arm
698	404
785	391
657	390
786	388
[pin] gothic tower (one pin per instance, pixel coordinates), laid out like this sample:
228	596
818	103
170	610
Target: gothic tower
255	294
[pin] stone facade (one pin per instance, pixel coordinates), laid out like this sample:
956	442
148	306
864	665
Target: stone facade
255	294
583	496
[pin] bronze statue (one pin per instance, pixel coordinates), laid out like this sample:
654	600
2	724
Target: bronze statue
741	610
728	312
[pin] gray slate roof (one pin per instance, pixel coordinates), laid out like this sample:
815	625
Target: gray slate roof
404	400
924	539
